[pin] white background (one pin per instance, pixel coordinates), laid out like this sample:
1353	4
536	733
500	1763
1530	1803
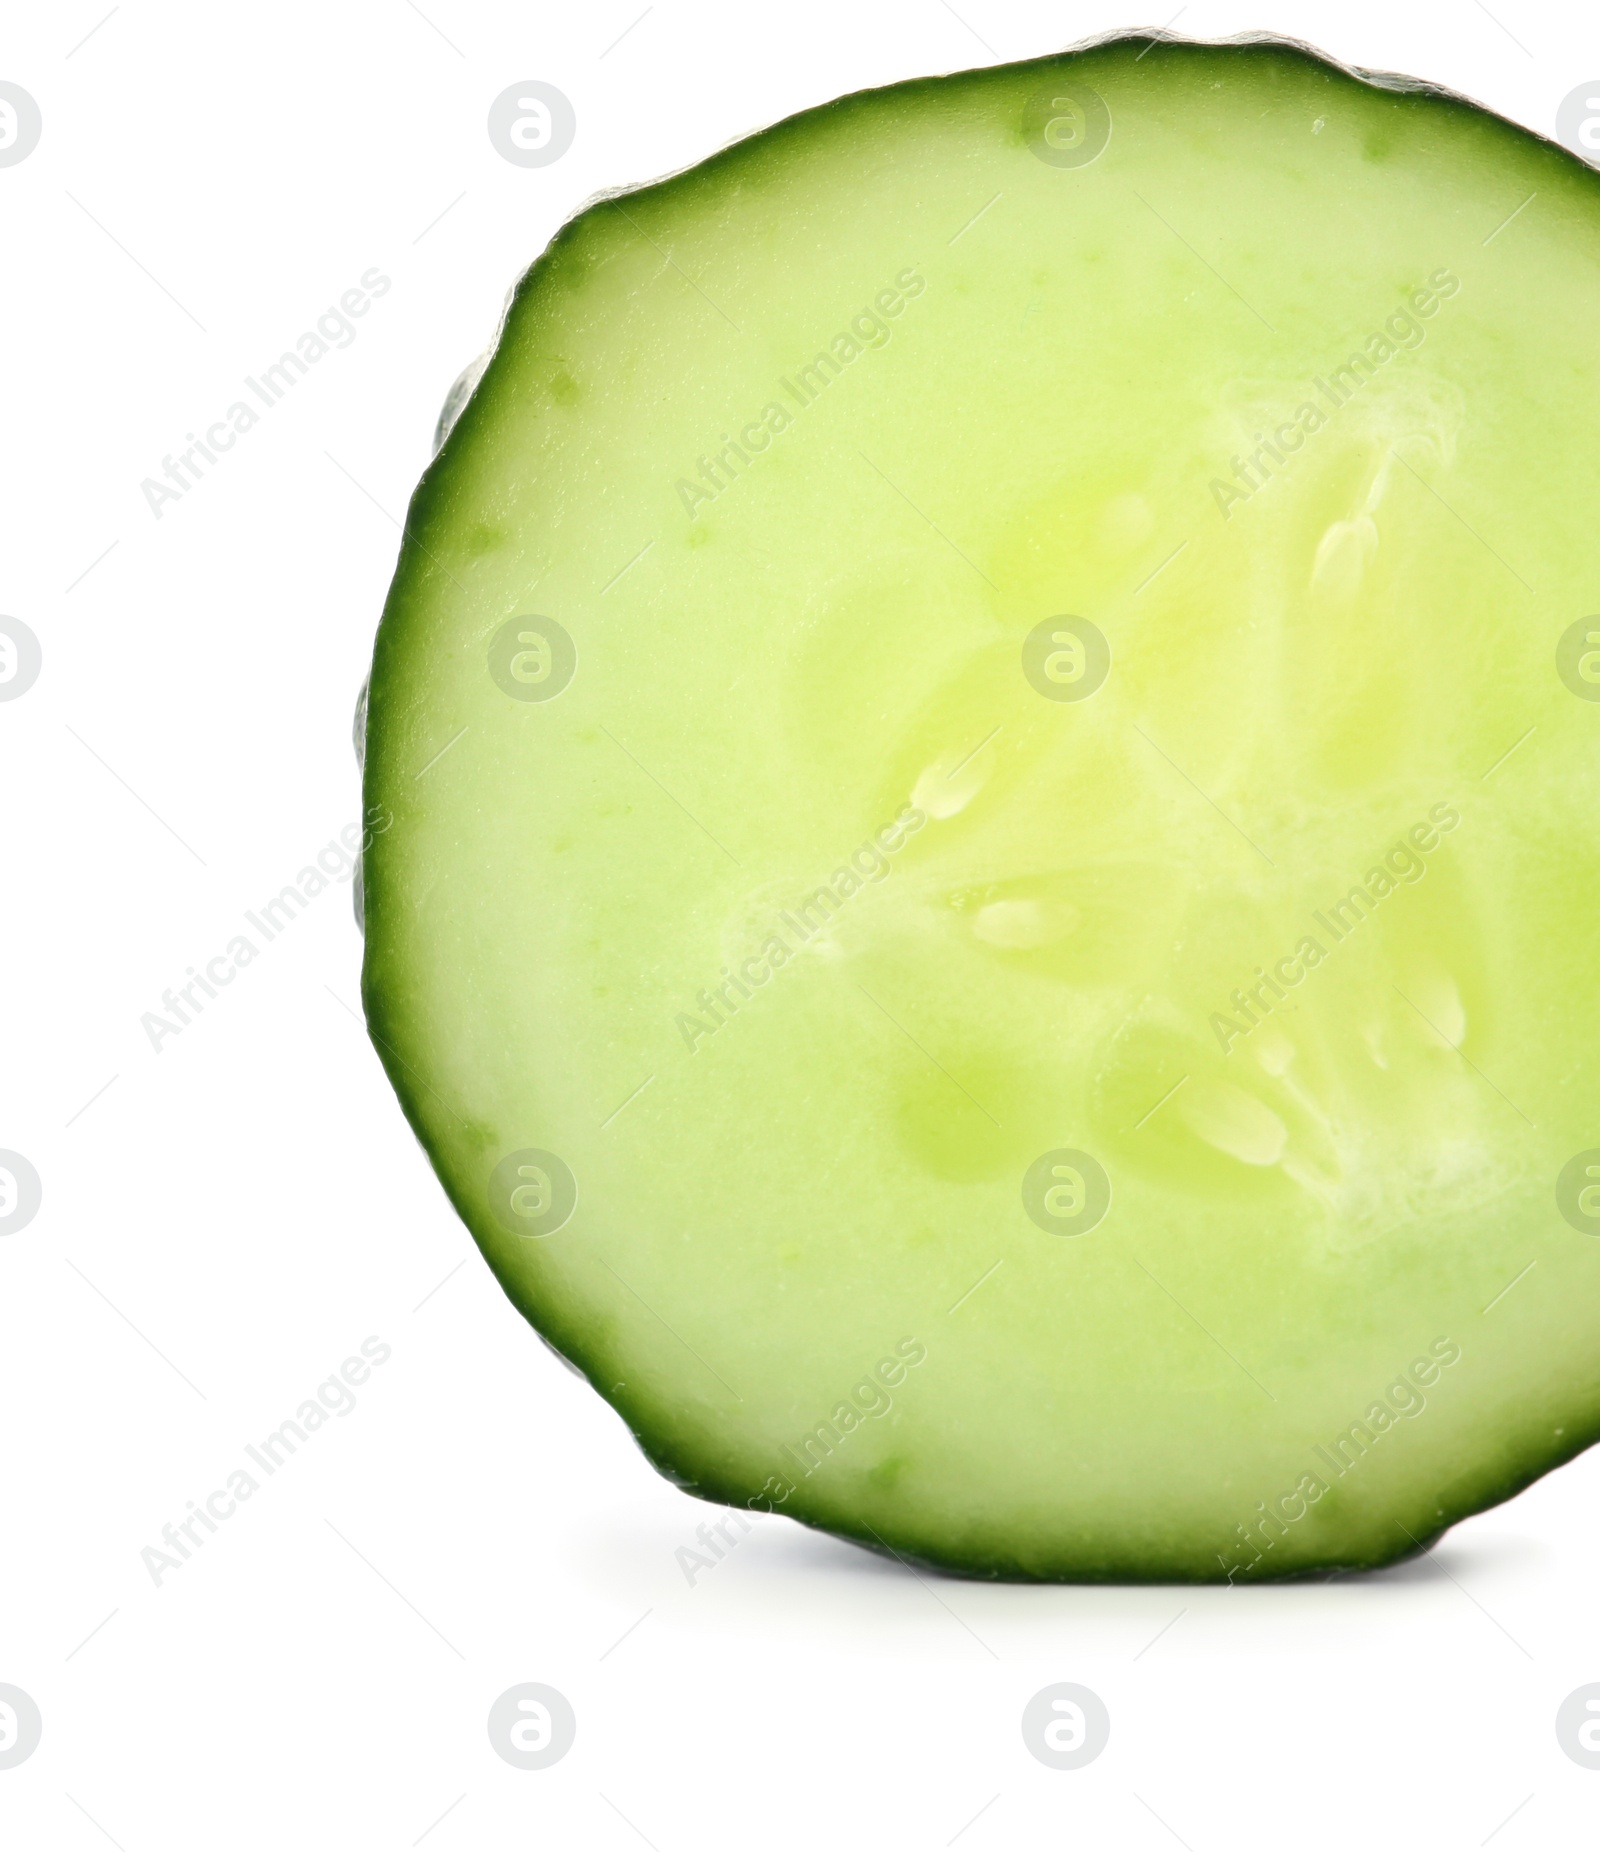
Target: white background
229	1218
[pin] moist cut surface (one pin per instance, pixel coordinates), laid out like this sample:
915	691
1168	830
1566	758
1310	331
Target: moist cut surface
990	909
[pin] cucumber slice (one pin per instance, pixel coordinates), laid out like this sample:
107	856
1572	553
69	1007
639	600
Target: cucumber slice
988	723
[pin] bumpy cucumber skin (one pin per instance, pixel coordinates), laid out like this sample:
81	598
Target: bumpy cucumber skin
681	1459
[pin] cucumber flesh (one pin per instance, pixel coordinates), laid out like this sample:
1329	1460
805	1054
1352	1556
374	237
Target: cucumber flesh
989	905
